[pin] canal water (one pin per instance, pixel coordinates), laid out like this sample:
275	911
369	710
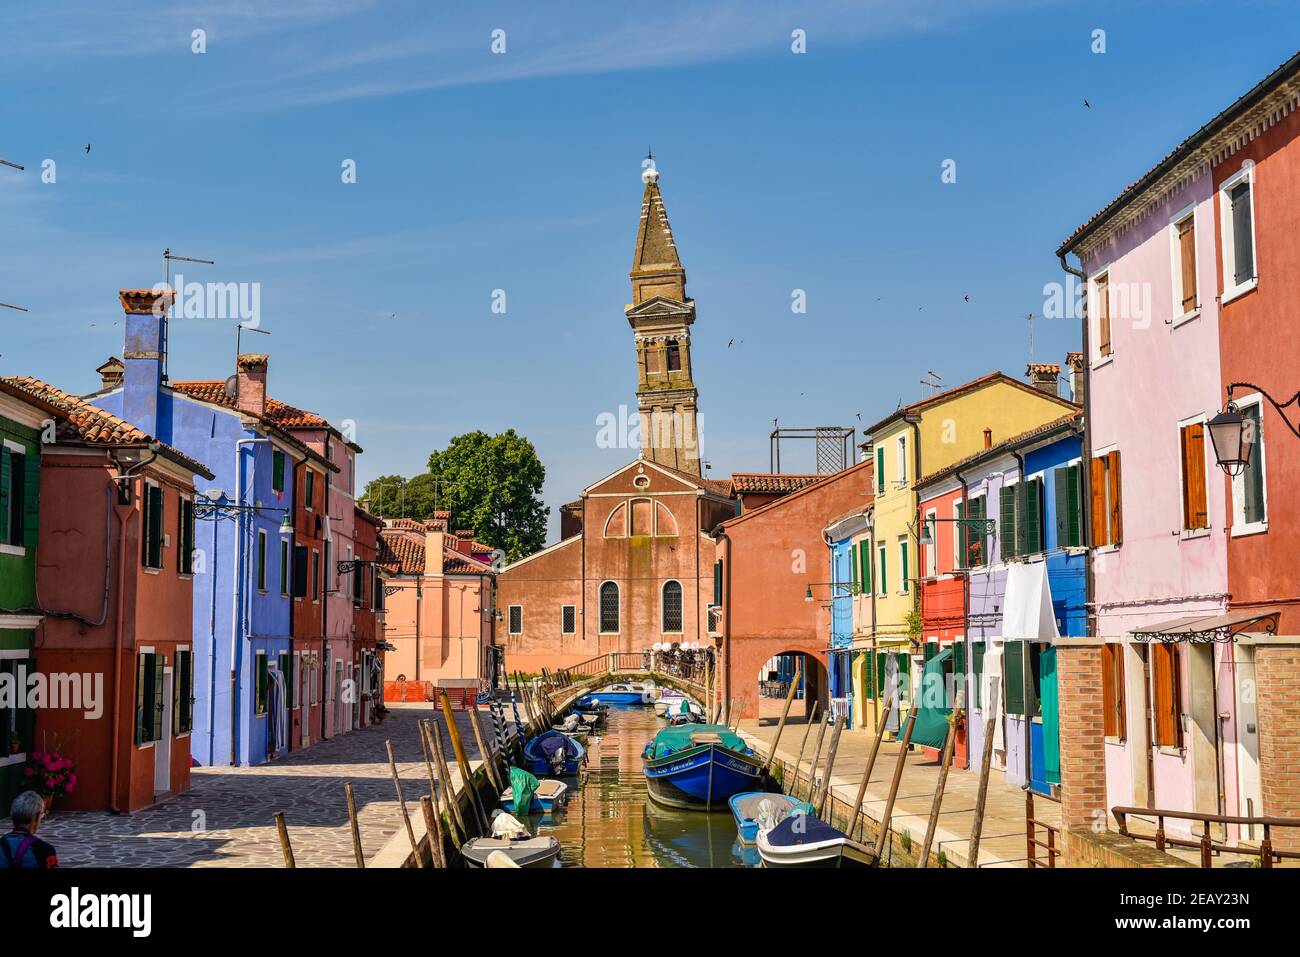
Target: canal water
610	820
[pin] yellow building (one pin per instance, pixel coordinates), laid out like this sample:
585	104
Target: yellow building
912	441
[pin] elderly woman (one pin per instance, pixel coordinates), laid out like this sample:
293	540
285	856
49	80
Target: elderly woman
21	847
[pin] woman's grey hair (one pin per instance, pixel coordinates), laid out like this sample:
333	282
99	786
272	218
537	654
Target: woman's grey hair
27	809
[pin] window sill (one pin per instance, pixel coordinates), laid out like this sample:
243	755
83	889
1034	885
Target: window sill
1170	750
1236	292
1115	741
1105	549
1191	534
145	747
1253	528
18	550
19	758
1103	361
1187	317
152	571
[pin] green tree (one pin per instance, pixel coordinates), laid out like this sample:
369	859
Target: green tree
392	496
492	484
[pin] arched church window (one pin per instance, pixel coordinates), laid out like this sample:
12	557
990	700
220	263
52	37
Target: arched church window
674	356
672	606
609	611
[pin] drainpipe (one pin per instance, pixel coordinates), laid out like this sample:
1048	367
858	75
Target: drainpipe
124	513
1085	469
965	617
212	667
240	598
1024	646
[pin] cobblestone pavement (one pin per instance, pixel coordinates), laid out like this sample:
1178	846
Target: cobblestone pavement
226	818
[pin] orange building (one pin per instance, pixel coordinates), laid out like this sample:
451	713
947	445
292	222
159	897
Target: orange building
114	577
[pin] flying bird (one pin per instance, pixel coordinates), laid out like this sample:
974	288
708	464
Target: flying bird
87	147
966	297
1087	105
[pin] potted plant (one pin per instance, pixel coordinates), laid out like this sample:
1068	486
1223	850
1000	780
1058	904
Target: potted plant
381	712
50	775
15	743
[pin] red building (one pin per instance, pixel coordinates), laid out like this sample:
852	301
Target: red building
1256	175
114	576
943	591
769	557
313	684
367	589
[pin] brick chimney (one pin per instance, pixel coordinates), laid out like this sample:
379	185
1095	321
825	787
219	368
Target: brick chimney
110	373
465	541
142	363
988	438
1043	376
250	383
1074	362
441	519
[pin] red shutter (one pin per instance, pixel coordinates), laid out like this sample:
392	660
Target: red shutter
1116	502
1187	251
1103	316
1097	497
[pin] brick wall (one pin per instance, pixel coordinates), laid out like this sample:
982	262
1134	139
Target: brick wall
1083	757
1277	675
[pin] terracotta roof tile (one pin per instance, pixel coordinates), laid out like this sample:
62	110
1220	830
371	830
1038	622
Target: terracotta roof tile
1002	447
214	392
772	483
89	424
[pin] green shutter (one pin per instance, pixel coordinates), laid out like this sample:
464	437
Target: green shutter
286	669
880	469
4	494
184	713
1013	676
884	570
143	675
31	500
1061	496
1074	504
905	581
153	517
156	712
277	470
1033	512
977	670
864	561
853	569
880	674
260	706
931	649
1007	522
300	571
717	582
284	568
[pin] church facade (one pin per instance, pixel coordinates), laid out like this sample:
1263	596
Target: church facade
634	565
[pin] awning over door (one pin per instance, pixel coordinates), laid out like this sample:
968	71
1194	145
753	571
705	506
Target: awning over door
1203	628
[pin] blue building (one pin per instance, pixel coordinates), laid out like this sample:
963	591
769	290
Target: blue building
244	584
847	638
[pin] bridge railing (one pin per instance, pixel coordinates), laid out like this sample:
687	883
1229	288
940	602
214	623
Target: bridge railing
692	670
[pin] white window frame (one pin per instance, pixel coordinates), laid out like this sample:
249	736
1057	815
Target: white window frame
956	532
510	620
1227	239
1094	322
575	620
1184	532
1176	266
662	589
19	550
256	655
900	467
1239	524
297	679
932	553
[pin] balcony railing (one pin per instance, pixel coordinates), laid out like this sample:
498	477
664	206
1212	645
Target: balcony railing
1208	847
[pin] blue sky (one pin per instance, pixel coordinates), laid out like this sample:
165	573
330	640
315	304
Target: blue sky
520	171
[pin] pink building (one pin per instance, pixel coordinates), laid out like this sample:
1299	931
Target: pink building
439	614
1178	733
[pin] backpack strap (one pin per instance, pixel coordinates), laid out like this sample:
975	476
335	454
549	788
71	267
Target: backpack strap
14	859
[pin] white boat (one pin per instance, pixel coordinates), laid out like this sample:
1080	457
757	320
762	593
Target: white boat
802	840
524	852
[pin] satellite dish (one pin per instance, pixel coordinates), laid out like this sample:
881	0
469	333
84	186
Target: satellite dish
230	386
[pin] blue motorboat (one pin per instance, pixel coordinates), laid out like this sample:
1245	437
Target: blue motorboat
624	693
759	810
699	766
554	752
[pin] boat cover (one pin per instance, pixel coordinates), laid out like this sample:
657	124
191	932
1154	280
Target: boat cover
678	738
800	829
549	744
932	705
522	788
750	805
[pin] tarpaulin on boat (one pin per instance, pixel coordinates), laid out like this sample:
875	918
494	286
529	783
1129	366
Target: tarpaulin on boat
932	703
522	787
674	739
802	829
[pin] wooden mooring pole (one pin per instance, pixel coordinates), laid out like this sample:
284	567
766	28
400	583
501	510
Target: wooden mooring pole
885	817
426	746
355	827
401	801
458	748
488	763
785	713
433	832
981	796
867	769
798	762
825	789
285	847
949	746
444	774
816	756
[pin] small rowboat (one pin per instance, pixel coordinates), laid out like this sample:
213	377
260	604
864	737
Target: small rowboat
551	793
554	752
699	766
802	840
757	811
523	852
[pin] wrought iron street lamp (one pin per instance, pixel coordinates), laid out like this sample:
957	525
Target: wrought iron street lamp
208	506
1234	435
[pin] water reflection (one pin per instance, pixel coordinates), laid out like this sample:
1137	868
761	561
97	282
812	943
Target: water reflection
610	820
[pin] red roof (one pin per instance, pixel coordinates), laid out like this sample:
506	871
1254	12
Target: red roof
88	424
771	483
214	391
401	551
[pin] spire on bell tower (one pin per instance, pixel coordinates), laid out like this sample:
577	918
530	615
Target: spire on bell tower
661	316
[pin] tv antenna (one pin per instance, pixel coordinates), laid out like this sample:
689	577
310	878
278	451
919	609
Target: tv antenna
5	162
168	258
933	380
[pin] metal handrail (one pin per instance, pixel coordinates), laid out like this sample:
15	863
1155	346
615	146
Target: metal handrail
1207	846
